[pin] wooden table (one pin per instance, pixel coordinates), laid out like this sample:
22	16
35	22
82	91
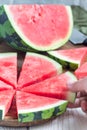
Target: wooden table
70	120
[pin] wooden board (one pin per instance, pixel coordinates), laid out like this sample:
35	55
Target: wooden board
9	119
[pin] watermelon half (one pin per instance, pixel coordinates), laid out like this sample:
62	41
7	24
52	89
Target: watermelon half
5	102
36	68
81	72
31	107
70	58
41	27
8	68
54	87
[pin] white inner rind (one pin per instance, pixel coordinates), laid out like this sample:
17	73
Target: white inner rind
8	54
62	57
54	44
56	64
59	103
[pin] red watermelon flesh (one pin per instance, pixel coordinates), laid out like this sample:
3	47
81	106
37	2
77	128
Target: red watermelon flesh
28	101
8	68
48	26
37	68
74	55
54	87
4	86
81	72
5	101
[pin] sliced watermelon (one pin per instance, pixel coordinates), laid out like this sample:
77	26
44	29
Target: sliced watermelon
31	107
54	87
42	27
81	72
4	86
70	58
8	68
36	68
5	102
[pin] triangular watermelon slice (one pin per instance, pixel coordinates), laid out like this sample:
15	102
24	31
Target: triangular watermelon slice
36	68
42	27
81	72
54	87
5	86
31	107
70	58
8	68
5	102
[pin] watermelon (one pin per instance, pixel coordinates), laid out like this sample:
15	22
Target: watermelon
70	58
54	87
39	27
36	68
81	72
8	68
6	97
31	107
4	86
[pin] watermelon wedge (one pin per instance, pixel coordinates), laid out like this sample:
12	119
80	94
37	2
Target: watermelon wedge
40	27
5	102
70	58
4	86
36	68
81	72
8	68
54	87
31	107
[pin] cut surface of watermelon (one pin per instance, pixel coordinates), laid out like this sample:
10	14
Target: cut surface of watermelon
5	102
8	68
4	86
31	107
81	72
54	87
70	58
36	68
42	27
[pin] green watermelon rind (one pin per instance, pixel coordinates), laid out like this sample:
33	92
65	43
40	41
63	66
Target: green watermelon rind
56	64
26	44
2	112
66	63
42	113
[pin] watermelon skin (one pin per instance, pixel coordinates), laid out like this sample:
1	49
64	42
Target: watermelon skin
6	97
54	87
70	58
36	68
37	107
12	32
81	72
8	68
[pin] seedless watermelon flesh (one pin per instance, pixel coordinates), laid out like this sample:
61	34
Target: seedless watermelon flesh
31	107
5	102
36	68
8	68
81	72
54	87
70	58
42	27
4	86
